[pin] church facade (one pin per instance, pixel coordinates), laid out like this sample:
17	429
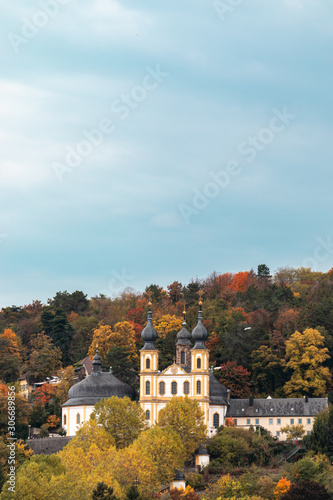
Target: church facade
188	376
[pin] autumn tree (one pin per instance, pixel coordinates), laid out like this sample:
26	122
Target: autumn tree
236	379
122	418
282	487
185	417
67	380
10	356
165	448
175	291
267	371
122	335
45	358
305	355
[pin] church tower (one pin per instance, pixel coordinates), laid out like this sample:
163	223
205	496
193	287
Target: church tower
149	368
183	346
200	365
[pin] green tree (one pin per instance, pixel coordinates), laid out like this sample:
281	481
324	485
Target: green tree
267	371
305	355
70	302
293	431
122	418
103	492
185	417
318	439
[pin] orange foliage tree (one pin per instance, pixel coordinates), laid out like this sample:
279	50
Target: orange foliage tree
282	487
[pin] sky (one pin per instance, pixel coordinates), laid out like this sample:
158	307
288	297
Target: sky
147	142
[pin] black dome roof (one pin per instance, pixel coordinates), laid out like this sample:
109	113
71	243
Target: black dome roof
184	336
149	334
199	333
98	385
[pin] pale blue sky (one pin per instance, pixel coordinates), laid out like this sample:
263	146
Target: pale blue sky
171	188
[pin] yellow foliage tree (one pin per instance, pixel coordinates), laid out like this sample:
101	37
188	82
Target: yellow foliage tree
185	417
122	418
282	487
122	335
305	355
166	450
167	324
12	348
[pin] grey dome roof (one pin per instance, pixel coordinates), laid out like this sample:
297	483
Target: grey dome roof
201	450
184	336
218	393
179	476
98	385
199	334
149	334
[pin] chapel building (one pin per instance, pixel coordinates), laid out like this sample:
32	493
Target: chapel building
188	376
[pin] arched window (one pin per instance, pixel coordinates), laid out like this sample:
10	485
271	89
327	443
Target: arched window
186	388
198	387
199	363
78	418
216	420
65	420
182	358
173	388
162	388
147	415
148	363
147	387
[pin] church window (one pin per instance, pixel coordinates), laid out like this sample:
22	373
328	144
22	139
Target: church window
173	388
65	420
162	388
147	387
198	387
186	388
216	420
182	358
199	363
148	363
147	415
78	418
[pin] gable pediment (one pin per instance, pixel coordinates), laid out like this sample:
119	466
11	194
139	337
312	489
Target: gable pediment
173	370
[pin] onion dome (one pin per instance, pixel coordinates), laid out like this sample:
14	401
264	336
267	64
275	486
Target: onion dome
98	385
199	333
184	336
149	334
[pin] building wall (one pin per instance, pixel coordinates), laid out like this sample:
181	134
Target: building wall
71	413
273	424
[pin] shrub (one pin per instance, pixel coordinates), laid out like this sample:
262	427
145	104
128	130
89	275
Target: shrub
307	490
